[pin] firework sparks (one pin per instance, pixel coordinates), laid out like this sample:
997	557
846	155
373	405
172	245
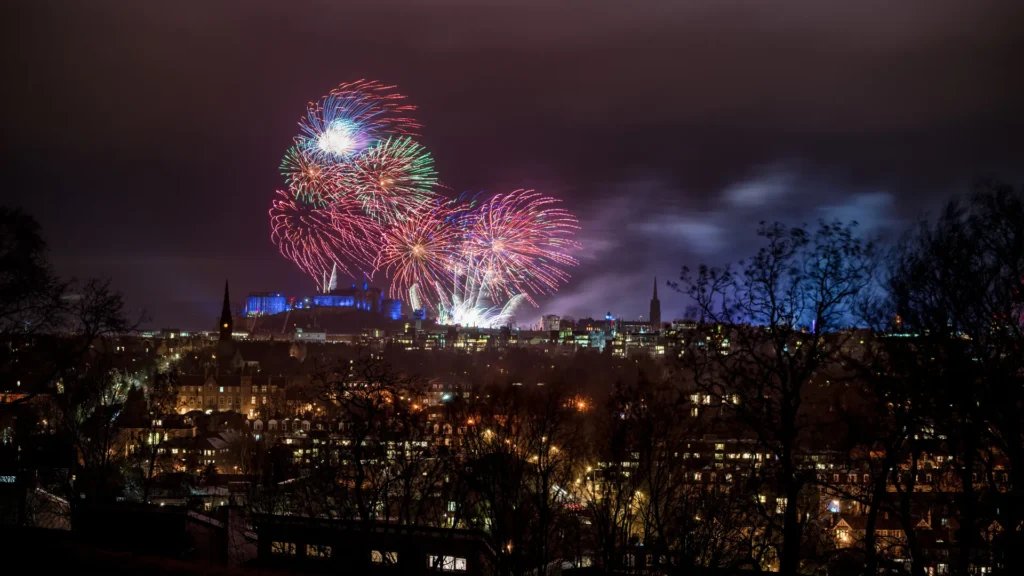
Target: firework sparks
393	180
419	251
520	242
469	303
351	118
362	197
310	179
318	239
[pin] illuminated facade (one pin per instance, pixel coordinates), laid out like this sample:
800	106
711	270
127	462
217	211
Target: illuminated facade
364	297
266	304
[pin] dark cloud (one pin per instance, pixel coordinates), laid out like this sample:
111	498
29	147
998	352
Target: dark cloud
146	135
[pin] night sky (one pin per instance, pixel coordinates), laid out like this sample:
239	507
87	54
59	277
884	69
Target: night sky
146	136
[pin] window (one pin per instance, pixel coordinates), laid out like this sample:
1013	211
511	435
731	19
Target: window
378	557
318	551
446	563
221	388
287	548
253	400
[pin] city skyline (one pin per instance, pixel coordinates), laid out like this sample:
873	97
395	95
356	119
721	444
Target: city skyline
677	131
512	287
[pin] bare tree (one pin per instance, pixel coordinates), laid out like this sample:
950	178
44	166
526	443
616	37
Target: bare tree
956	286
784	311
370	401
522	460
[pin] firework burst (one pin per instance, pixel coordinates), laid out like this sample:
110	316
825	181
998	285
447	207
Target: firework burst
393	180
353	117
470	304
362	196
520	242
310	179
419	251
318	239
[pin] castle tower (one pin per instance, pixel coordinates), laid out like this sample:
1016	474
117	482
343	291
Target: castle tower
655	317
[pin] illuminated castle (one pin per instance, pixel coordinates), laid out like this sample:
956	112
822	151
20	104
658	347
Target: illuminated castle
364	297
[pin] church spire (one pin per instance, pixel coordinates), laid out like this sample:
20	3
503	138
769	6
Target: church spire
655	317
225	315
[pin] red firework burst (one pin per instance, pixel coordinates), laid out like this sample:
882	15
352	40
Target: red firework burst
317	239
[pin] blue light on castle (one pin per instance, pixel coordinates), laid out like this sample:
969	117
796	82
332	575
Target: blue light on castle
356	297
266	304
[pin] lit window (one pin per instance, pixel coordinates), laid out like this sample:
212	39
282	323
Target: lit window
287	548
446	563
318	551
378	557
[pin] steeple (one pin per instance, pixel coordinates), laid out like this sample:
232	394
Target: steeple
655	317
225	316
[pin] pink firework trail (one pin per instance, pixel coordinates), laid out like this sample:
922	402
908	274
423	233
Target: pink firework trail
317	239
519	242
420	252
